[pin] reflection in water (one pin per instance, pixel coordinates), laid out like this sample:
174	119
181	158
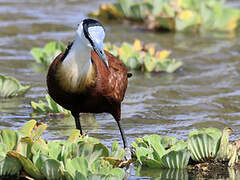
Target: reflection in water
170	174
184	174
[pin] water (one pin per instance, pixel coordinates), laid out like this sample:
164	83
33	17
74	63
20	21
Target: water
204	93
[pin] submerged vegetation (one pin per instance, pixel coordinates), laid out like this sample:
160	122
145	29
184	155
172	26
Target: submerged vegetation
174	15
138	56
10	87
25	153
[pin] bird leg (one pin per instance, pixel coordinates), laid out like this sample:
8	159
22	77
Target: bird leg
125	144
77	121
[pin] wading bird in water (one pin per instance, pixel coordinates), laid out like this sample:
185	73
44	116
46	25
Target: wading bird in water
87	79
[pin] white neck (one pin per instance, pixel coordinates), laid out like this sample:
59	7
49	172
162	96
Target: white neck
77	66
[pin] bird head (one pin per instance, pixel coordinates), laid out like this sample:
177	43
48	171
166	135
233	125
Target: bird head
92	34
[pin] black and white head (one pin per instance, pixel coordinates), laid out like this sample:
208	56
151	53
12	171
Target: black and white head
92	34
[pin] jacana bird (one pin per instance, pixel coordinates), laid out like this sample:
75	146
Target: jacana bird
87	79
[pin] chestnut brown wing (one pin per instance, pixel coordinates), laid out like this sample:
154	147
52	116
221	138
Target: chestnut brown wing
112	82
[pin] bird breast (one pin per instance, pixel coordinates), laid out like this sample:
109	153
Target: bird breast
75	77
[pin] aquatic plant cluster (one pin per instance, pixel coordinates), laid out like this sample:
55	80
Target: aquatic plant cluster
10	87
137	56
173	15
24	153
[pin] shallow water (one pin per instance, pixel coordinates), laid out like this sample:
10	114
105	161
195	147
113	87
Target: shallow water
204	93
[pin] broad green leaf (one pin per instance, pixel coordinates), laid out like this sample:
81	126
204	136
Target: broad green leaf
79	164
52	106
38	54
223	152
52	169
27	164
213	132
139	10
10	87
149	63
142	153
79	176
151	163
118	172
100	147
117	151
9	166
74	136
176	159
9	138
24	147
154	140
39	130
55	148
126	7
28	127
84	149
202	147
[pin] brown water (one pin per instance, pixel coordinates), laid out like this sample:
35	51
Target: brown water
204	93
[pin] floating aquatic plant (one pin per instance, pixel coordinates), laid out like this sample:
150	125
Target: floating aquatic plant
10	87
202	145
51	107
174	15
25	153
47	54
144	57
151	152
138	56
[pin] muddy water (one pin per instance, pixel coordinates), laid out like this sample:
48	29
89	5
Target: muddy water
204	93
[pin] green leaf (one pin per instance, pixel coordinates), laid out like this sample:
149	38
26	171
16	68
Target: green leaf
74	136
52	169
223	153
117	152
27	164
24	147
149	63
213	132
100	147
151	163
39	130
27	128
176	159
48	53
79	176
142	153
118	172
10	87
125	6
79	164
154	140
52	107
139	10
9	138
202	147
38	54
9	166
